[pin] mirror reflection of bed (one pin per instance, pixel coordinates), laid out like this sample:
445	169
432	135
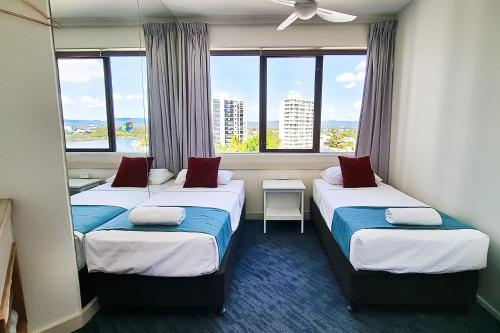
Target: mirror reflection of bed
103	85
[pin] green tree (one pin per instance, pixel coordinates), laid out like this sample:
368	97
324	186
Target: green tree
273	139
342	139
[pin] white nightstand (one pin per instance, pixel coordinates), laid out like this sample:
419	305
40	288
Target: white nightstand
77	185
284	200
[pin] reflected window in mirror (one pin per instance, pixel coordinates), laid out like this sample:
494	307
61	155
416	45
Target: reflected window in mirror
104	101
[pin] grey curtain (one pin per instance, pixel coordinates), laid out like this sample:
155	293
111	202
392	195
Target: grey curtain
178	93
374	133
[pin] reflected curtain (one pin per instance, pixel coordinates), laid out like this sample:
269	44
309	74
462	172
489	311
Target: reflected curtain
374	133
178	58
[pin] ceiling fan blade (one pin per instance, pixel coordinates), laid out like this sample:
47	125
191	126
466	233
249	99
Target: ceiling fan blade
284	2
332	16
288	21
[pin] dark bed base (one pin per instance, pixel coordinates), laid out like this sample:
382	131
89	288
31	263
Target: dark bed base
87	286
132	290
377	287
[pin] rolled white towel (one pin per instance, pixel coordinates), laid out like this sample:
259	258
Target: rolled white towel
415	216
157	215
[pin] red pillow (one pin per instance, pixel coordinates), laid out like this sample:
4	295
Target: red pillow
357	172
202	172
133	172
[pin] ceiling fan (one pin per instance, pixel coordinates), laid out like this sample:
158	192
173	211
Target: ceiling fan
305	9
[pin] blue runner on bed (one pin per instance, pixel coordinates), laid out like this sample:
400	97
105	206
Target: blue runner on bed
87	218
347	220
212	221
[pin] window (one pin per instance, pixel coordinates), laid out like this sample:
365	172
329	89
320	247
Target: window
235	103
83	97
103	101
129	103
343	77
289	108
308	101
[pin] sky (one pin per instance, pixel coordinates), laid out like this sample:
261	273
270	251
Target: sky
82	88
343	77
82	85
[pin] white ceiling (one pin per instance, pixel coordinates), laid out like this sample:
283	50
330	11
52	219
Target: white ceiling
209	8
213	9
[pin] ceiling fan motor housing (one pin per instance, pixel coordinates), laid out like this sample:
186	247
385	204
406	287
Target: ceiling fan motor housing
305	9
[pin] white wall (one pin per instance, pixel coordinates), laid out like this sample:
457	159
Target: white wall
223	36
445	133
298	35
32	168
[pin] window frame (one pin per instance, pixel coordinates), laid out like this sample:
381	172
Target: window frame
318	87
108	90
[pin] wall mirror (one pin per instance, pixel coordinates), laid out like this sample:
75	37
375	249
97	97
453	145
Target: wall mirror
102	74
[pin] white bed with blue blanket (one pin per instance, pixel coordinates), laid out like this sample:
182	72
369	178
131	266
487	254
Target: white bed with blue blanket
117	247
398	250
94	207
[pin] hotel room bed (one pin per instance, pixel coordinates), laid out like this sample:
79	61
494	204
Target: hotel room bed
398	266
105	195
155	268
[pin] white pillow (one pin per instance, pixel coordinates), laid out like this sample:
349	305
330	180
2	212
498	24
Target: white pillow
223	177
156	176
159	176
333	175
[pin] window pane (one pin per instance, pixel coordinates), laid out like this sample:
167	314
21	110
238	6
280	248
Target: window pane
129	79
290	103
343	77
235	103
84	103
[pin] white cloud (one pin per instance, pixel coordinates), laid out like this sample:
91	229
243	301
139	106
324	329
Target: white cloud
92	102
361	66
131	97
356	107
352	78
79	70
117	96
67	100
297	82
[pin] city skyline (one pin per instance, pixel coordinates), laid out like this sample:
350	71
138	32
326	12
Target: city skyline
343	80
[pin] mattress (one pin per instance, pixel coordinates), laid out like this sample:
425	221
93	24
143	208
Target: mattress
121	198
166	254
401	251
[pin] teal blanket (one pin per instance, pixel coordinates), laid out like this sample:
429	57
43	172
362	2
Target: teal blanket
212	221
348	220
87	218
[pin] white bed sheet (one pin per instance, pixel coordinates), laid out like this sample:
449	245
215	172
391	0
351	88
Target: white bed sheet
124	199
166	254
149	188
401	251
79	249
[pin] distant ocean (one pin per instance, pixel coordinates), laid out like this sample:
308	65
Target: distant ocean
126	145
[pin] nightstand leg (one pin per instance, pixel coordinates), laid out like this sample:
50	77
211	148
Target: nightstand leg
302	212
265	212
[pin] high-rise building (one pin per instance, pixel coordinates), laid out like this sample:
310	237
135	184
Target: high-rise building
229	117
296	122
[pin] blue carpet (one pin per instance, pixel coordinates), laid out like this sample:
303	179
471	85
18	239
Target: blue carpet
283	282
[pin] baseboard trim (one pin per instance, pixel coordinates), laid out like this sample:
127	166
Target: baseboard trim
75	322
488	307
